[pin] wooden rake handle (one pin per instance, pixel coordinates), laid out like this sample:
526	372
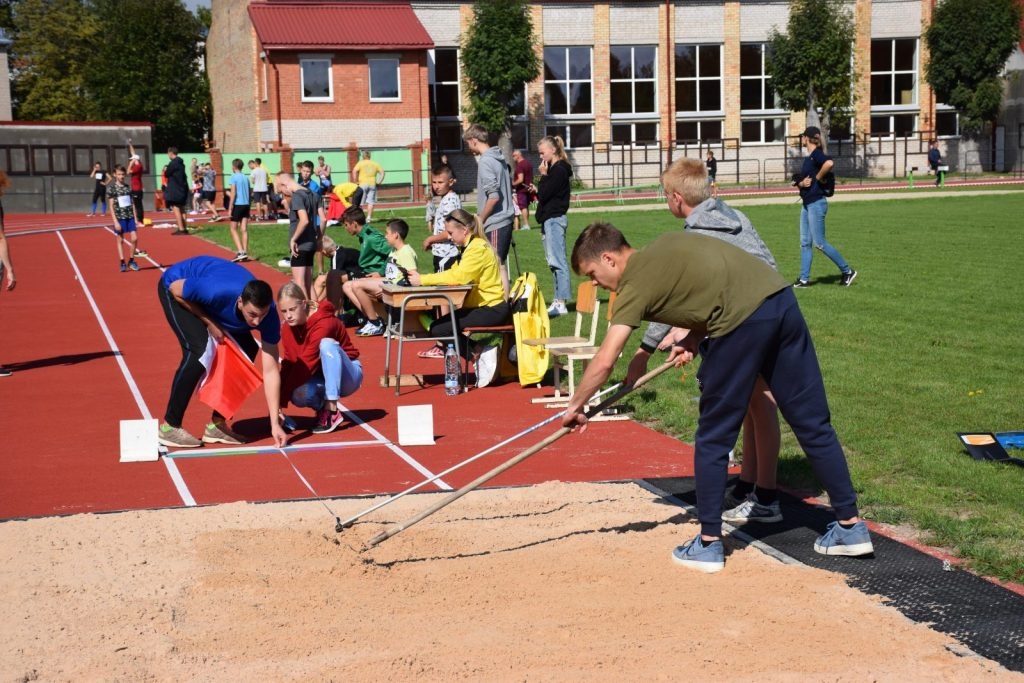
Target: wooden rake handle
512	462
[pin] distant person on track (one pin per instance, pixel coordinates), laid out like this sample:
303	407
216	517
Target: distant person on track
176	194
135	171
208	297
99	190
746	321
6	266
319	362
935	161
238	200
368	174
119	196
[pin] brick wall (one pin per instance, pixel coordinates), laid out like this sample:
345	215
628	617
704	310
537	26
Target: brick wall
231	49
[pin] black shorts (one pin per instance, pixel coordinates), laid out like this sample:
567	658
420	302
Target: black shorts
209	195
303	260
259	197
174	205
238	212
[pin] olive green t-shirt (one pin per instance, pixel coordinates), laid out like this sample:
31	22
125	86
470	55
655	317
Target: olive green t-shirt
694	281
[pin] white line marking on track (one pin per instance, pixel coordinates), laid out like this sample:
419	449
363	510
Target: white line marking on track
172	468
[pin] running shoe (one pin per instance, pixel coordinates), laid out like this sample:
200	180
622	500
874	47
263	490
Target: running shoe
328	420
752	510
124	267
432	352
133	265
220	433
284	263
708	558
851	542
139	253
372	328
847	278
556	309
800	284
177	437
5	372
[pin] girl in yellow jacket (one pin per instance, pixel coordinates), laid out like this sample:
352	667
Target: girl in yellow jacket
485	305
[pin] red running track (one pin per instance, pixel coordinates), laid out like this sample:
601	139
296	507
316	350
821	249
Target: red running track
89	347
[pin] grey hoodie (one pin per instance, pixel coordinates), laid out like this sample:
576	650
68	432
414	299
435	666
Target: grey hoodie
714	218
493	180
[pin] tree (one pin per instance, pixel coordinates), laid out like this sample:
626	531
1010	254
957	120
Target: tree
811	65
498	60
969	42
89	60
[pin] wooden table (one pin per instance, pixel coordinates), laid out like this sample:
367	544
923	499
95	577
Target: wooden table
424	298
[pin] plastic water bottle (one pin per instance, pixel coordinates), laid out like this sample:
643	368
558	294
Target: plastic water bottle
452	370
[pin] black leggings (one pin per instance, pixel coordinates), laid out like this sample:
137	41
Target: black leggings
192	336
485	316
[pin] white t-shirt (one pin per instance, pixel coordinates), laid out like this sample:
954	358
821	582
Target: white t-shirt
259	179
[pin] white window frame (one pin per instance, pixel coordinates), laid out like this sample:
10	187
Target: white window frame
685	114
680	142
309	59
565	127
398	76
633	80
265	85
569	82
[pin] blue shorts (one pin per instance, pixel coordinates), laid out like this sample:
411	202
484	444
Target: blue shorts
127	225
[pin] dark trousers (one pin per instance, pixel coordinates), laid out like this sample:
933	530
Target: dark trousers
484	316
137	201
775	343
192	336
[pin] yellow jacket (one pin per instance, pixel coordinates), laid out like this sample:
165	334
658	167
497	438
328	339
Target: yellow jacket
479	266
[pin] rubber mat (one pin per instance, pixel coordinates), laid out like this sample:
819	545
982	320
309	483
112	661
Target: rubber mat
985	617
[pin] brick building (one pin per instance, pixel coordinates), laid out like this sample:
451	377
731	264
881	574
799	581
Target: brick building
628	85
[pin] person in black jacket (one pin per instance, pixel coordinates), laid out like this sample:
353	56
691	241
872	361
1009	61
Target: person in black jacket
176	192
552	204
712	165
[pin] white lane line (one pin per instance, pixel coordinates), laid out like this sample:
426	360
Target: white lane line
172	468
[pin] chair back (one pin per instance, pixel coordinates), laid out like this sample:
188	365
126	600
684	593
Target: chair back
587	303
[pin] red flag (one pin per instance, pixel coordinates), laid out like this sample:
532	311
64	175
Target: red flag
230	381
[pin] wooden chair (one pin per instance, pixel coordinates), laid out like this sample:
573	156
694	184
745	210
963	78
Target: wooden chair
587	304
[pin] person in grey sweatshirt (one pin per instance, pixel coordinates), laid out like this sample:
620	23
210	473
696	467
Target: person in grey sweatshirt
495	200
688	194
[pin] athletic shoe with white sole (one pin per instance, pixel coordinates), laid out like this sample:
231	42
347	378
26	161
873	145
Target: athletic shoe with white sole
328	420
176	437
221	433
752	510
557	308
486	365
372	328
285	263
847	278
852	542
708	558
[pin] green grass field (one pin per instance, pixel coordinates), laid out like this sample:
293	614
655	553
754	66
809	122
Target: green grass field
928	341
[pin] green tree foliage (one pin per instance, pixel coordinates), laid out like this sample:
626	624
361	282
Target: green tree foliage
112	60
498	60
810	64
969	42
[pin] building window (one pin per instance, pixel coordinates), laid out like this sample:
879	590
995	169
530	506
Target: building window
574	135
265	85
384	81
633	79
446	122
645	133
696	130
568	82
947	122
698	78
889	125
763	130
894	72
520	121
763	119
317	84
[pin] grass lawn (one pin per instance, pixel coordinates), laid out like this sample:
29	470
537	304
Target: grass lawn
928	341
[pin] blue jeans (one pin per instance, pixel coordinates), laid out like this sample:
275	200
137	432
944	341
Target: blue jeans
554	251
339	376
812	235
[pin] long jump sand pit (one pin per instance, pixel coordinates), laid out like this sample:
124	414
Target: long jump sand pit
555	582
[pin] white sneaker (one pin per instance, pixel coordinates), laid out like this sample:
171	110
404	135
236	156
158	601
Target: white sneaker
486	365
285	263
557	308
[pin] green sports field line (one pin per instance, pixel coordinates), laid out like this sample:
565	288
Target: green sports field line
264	450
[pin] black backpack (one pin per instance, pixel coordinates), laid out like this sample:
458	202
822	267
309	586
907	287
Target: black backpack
828	183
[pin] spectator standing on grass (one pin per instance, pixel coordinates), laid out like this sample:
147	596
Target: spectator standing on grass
176	194
205	298
210	190
443	251
747	322
552	205
99	189
119	196
364	292
6	266
368	174
522	183
712	166
238	200
260	187
815	167
135	171
687	192
934	161
319	362
495	200
303	238
486	305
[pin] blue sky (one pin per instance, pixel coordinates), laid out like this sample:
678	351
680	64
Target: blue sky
192	4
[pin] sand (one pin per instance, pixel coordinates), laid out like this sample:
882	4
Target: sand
554	582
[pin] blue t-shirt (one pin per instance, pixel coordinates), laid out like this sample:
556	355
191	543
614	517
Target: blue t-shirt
812	162
241	185
215	284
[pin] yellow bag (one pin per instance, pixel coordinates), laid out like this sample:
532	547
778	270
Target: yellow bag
530	318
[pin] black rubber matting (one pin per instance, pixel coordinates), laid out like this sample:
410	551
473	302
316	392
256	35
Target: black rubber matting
987	618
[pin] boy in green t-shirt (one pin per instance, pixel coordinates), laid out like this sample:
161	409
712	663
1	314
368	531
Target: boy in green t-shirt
747	322
363	291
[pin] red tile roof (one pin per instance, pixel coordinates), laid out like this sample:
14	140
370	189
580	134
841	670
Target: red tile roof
338	26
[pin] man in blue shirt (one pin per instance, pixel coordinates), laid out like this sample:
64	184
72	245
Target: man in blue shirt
205	297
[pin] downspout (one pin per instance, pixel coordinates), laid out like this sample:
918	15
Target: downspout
668	73
277	100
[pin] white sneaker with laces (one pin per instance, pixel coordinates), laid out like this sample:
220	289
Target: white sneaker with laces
557	308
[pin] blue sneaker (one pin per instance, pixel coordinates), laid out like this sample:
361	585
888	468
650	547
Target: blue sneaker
708	558
124	267
850	542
